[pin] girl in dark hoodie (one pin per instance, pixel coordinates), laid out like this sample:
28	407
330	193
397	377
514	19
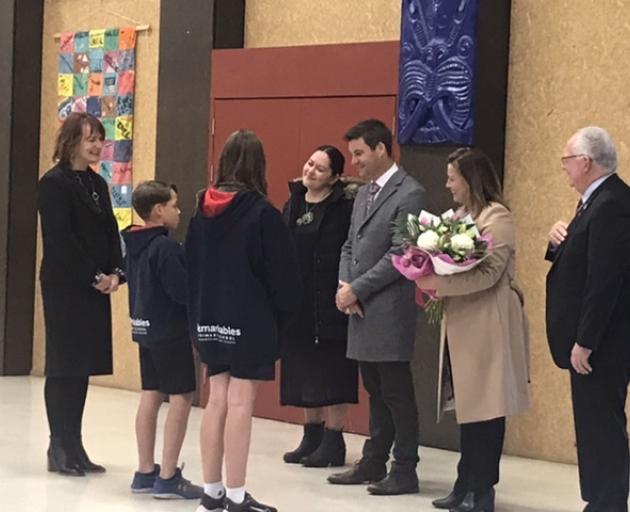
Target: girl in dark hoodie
243	284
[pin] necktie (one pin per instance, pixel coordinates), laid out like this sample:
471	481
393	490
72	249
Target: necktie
373	189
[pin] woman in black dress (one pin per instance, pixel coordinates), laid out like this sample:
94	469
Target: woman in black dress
80	269
316	374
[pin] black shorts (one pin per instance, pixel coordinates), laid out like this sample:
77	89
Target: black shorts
169	369
244	371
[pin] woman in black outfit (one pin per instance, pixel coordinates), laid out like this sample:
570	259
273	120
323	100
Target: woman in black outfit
80	269
316	374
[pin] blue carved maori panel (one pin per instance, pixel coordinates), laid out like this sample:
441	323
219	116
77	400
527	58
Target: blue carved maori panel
437	68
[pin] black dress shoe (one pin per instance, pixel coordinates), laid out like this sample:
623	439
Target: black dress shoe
451	501
58	460
396	483
360	473
476	502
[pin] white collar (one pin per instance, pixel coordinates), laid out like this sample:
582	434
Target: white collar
384	178
593	187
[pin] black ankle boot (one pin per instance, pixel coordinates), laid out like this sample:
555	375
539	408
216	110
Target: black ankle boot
331	451
477	502
58	459
313	433
451	501
82	459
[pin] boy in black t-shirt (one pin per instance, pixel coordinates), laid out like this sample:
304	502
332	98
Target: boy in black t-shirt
156	278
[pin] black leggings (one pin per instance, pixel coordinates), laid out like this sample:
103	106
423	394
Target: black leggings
481	445
65	402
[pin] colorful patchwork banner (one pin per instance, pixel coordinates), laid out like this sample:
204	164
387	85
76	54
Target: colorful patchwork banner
96	74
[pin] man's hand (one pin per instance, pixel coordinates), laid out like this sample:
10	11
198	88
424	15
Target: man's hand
579	359
354	309
345	296
558	233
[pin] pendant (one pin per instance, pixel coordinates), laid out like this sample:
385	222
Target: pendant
95	197
305	219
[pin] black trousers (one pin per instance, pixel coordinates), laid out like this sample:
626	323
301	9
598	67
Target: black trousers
599	401
65	402
480	445
393	415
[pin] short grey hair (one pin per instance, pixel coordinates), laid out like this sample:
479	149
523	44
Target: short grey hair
598	145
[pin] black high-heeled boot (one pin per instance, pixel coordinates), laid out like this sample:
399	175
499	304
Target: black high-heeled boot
82	459
312	438
477	502
58	459
330	452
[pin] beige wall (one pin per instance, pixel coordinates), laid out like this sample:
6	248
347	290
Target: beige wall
300	22
71	15
567	69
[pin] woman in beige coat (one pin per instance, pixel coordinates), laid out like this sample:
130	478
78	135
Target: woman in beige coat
484	348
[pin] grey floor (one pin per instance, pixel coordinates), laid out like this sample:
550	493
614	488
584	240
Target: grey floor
526	485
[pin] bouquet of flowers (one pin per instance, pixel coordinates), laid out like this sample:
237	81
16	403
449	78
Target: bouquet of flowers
444	245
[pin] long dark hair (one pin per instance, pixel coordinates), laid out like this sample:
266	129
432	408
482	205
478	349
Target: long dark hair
242	164
483	181
336	158
71	132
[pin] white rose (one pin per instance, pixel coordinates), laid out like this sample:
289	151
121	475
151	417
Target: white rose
428	241
462	243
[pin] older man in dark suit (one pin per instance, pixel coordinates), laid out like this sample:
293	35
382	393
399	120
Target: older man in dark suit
588	315
381	303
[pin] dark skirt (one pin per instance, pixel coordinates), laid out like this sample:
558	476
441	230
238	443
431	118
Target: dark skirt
318	375
78	321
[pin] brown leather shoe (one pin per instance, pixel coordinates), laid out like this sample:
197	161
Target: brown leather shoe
360	473
396	483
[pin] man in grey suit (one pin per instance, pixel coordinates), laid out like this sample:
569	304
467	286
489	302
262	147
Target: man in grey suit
382	312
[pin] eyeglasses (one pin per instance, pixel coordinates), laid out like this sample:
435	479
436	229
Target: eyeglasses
569	157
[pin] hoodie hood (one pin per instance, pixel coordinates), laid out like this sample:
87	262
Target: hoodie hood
223	210
138	238
214	202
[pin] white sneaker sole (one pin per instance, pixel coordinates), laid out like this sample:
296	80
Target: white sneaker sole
201	508
173	496
148	490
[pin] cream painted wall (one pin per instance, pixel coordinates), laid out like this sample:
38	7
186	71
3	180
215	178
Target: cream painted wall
567	69
72	15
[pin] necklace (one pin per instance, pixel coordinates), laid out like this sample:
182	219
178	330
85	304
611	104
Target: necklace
91	191
308	216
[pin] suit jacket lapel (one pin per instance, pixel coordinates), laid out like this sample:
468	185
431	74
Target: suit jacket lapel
388	190
582	215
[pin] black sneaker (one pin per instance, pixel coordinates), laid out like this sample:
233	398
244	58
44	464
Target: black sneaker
249	505
210	504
